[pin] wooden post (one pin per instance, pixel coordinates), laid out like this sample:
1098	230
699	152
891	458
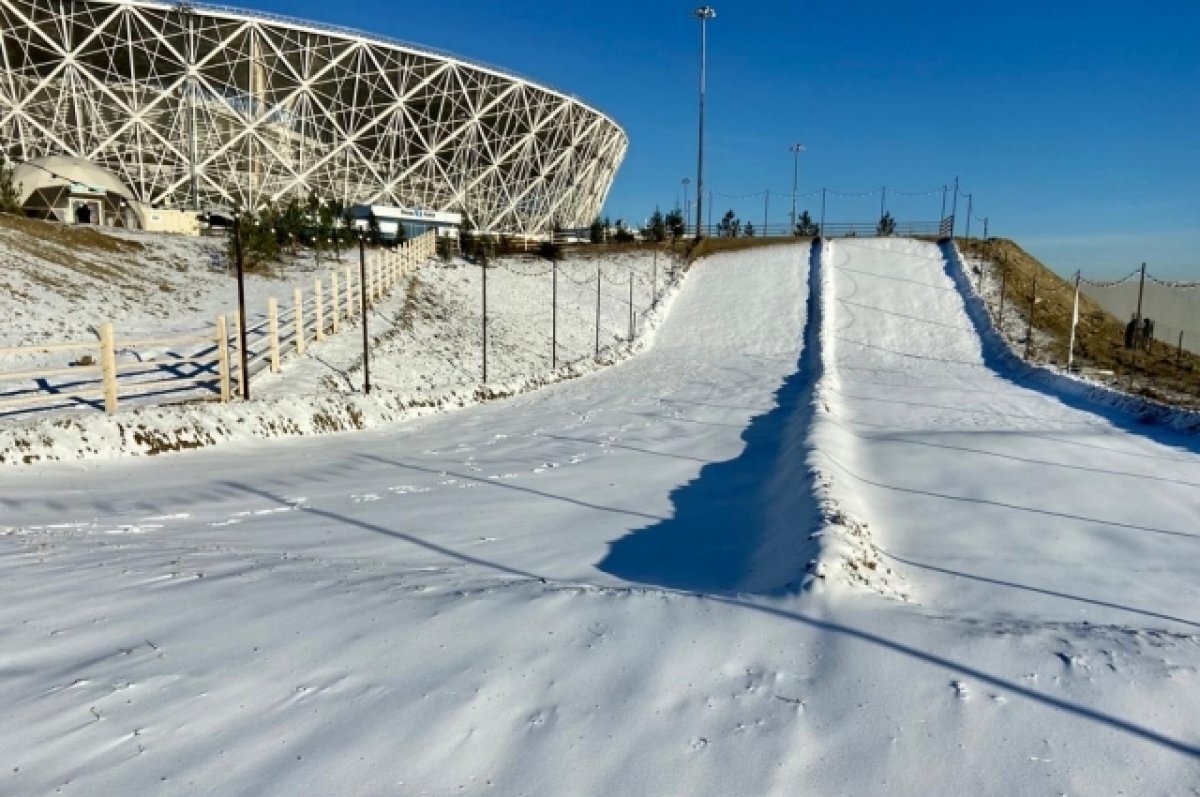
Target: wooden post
298	318
349	294
223	357
320	310
335	309
108	367
273	334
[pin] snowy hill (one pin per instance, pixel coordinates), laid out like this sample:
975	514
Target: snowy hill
60	284
817	539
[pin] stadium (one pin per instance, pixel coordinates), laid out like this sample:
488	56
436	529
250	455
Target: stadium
199	107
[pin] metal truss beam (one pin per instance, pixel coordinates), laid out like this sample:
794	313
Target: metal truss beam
227	108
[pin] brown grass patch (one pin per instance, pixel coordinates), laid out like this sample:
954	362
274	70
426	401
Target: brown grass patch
68	235
1161	373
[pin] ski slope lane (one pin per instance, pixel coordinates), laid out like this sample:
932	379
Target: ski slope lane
504	600
1047	548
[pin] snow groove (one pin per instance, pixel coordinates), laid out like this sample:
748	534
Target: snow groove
847	553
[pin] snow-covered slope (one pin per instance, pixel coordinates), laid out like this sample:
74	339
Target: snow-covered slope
425	342
592	589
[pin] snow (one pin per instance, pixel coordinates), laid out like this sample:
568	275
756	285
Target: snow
609	586
425	344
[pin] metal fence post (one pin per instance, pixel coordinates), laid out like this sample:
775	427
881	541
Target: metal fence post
631	304
483	267
597	355
1029	325
362	278
1003	288
554	316
237	337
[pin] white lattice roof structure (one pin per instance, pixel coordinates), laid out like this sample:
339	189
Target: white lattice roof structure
199	106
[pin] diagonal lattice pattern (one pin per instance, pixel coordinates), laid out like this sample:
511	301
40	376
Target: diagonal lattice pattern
196	106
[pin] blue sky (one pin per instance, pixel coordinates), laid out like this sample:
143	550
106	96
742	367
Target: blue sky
1076	126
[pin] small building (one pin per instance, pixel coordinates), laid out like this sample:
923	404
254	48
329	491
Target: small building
389	220
75	191
170	220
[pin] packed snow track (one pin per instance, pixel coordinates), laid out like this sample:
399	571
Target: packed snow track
609	587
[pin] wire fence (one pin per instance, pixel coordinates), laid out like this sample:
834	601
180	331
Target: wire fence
1106	330
1156	312
578	309
789	212
202	365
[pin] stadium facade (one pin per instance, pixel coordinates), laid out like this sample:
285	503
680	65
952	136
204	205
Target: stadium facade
206	107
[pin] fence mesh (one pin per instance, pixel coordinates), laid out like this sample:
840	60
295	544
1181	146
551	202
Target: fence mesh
1173	308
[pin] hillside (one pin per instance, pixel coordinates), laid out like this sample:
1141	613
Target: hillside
60	284
1161	375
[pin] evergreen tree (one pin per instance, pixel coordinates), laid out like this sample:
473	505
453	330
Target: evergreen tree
656	230
260	244
10	192
675	224
806	227
749	230
886	225
729	226
549	250
596	231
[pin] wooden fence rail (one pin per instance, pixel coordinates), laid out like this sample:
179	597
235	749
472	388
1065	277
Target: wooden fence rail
216	358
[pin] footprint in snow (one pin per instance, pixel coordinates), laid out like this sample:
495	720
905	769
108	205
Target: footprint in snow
960	690
132	529
408	489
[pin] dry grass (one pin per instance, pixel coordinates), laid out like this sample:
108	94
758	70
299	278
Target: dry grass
686	248
68	235
81	250
1160	374
712	246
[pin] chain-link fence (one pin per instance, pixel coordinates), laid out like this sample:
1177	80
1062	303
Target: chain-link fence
1156	312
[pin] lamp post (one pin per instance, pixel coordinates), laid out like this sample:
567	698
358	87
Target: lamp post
795	149
687	203
704	14
243	321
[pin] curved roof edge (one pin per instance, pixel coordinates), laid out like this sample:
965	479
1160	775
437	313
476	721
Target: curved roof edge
374	38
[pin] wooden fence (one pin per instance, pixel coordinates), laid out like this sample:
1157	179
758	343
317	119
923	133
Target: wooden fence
98	379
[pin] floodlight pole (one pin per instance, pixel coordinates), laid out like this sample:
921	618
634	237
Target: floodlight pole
704	14
687	203
795	149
